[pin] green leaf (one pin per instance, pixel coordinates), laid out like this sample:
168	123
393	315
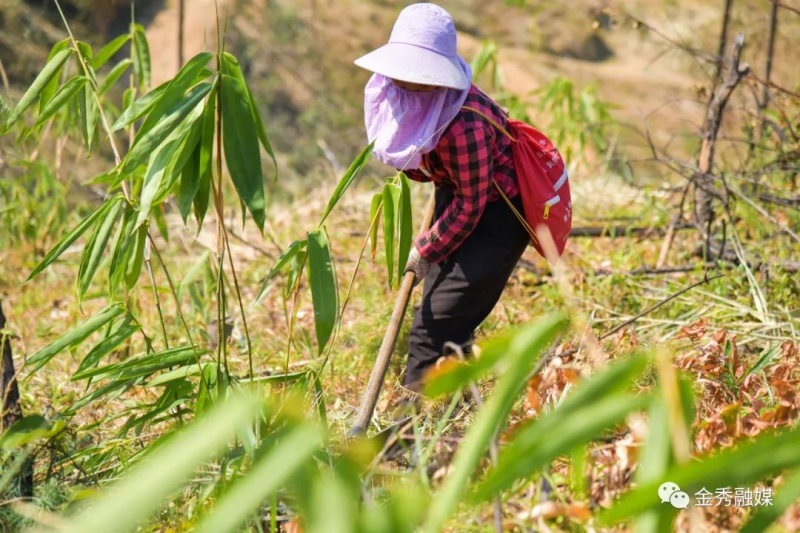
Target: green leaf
88	106
50	70
278	465
240	141
203	193
94	249
139	108
405	226
536	448
388	229
287	255
109	390
347	180
148	484
142	64
108	51
179	373
375	205
74	336
123	246
114	75
29	429
50	87
190	183
295	272
146	144
134	265
230	67
144	365
654	460
167	162
104	347
767	454
70	238
62	96
786	495
764	361
324	287
188	76
524	351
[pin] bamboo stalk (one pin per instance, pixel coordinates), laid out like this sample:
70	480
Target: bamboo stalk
375	383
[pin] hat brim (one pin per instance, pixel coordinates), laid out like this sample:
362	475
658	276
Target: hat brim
414	64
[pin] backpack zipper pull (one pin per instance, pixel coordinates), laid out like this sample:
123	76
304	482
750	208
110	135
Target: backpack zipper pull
546	211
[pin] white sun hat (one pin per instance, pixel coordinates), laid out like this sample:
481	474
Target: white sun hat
421	49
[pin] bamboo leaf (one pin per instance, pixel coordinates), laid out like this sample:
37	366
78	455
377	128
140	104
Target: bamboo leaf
324	287
108	51
767	454
85	50
524	350
123	246
655	459
133	499
230	67
179	373
203	193
405	225
108	391
146	144
104	347
94	249
50	87
142	63
289	254
144	365
388	230
74	336
188	76
786	495
29	429
88	107
114	75
295	272
241	147
347	180
163	170
62	96
139	108
279	464
133	267
70	238
374	208
190	183
50	70
524	457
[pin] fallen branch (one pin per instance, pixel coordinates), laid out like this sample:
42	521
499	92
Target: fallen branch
787	266
613	231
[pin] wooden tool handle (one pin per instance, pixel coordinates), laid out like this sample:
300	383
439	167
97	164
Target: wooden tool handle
375	383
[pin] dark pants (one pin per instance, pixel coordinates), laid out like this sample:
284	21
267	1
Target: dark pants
462	290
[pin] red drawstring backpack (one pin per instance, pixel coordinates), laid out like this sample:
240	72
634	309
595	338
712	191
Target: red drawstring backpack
543	184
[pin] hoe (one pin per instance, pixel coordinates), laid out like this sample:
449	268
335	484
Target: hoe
375	383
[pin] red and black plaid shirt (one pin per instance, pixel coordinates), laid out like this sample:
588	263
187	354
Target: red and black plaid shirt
470	153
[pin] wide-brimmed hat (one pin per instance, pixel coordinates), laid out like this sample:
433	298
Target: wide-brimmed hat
421	49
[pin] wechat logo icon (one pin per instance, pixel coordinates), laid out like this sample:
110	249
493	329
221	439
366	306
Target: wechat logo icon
671	493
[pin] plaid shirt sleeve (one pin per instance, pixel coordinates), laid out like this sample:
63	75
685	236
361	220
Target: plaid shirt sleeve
467	158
